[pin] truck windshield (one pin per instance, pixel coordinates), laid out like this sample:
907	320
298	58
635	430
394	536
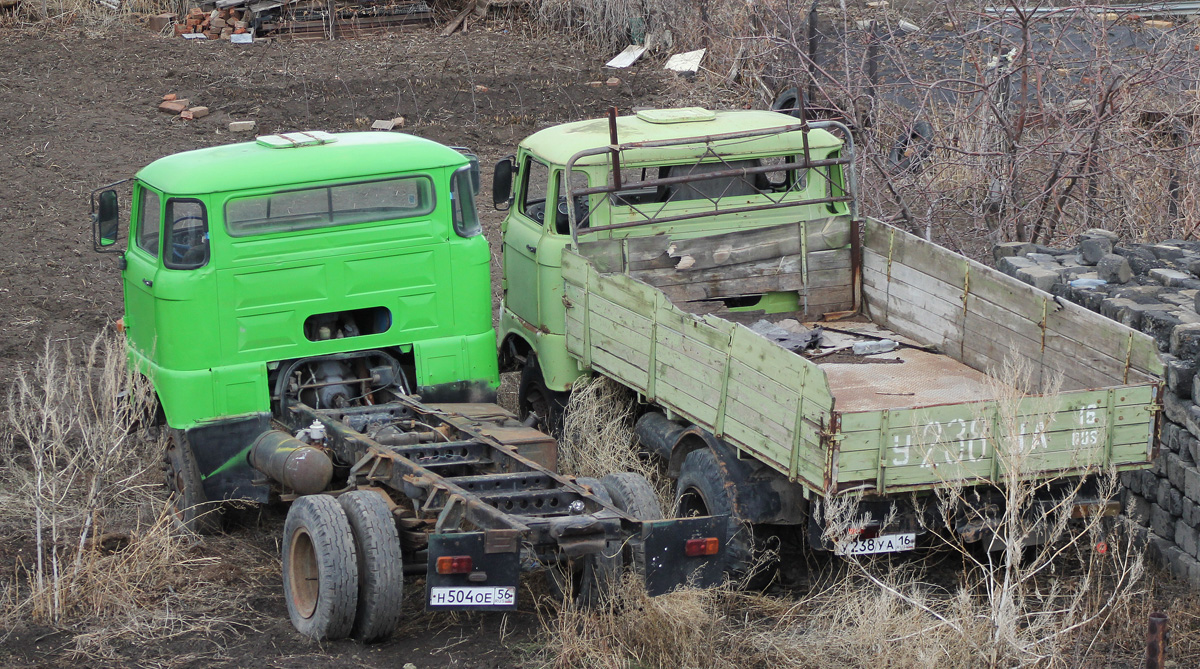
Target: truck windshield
328	206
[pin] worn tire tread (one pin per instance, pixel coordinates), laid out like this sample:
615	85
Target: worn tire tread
337	566
380	565
631	493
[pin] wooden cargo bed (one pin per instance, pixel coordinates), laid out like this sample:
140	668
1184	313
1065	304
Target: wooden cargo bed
907	377
673	319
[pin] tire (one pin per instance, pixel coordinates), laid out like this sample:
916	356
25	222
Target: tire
380	565
591	578
912	149
597	487
790	102
320	568
702	490
533	397
632	494
185	490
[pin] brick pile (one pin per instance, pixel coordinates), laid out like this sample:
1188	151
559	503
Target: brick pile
1153	288
173	104
216	24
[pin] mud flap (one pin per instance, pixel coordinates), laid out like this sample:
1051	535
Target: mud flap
490	585
662	559
220	448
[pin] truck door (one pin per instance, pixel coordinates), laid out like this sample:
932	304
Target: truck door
521	239
141	269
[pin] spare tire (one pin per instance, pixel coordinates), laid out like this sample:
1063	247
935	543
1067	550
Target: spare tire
791	102
911	149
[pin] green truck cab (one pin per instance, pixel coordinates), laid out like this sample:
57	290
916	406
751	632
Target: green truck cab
360	253
701	259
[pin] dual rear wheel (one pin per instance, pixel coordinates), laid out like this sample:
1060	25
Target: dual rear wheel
342	570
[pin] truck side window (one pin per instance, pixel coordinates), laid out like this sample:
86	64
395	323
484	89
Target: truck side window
562	224
187	235
462	204
535	177
149	222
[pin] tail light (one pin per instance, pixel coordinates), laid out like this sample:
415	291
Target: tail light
454	564
698	547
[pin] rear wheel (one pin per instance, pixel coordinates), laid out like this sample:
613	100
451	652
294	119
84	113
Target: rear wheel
189	504
380	565
320	568
703	490
533	397
632	494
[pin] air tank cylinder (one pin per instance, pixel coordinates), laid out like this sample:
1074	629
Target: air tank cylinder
291	462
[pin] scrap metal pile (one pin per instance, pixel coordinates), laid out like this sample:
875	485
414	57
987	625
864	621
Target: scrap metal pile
302	19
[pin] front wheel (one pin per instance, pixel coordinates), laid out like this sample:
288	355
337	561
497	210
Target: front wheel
189	504
534	398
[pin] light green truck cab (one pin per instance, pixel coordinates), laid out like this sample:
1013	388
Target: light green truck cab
359	250
723	220
532	317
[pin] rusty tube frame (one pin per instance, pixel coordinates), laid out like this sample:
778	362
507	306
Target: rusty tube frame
850	186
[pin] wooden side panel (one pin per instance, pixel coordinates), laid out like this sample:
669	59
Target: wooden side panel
762	399
988	441
979	315
809	258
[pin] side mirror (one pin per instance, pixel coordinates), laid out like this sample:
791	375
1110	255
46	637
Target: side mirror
106	219
502	182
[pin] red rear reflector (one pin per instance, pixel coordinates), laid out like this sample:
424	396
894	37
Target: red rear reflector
454	564
698	547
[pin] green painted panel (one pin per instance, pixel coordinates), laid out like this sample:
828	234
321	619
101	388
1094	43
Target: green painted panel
619	369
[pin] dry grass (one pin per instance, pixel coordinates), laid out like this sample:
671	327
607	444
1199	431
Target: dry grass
598	436
80	486
97	19
1058	604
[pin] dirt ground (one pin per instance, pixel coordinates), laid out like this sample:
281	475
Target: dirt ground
77	113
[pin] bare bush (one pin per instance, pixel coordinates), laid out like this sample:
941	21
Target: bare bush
81	482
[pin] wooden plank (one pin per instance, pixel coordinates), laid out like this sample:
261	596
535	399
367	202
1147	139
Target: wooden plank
832	265
739	246
619	369
1008	332
713	290
607	336
694	350
620	314
698	374
1070	320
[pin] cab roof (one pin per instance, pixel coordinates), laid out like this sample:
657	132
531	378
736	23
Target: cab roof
248	165
557	144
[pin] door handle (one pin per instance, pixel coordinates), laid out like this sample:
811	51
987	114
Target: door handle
532	249
148	282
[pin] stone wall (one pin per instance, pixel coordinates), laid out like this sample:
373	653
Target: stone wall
1153	288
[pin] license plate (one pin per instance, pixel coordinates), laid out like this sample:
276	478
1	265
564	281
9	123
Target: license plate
888	543
505	595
